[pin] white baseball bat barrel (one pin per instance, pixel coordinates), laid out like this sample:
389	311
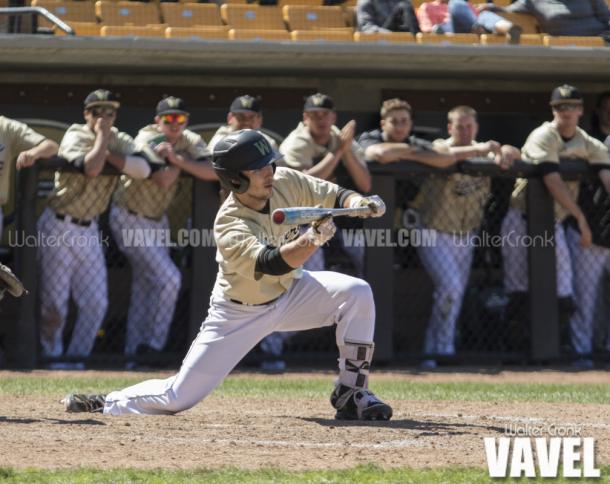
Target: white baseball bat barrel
306	215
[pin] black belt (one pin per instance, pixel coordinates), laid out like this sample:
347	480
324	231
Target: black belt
76	221
259	304
133	212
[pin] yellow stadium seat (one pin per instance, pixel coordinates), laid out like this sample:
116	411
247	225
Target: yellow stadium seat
134	30
384	37
127	13
66	11
352	3
349	15
335	35
531	39
190	14
527	22
258	34
313	18
212	33
447	38
311	3
252	17
89	29
236	2
493	39
551	40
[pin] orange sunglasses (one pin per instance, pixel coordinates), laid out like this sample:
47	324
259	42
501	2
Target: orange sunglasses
174	118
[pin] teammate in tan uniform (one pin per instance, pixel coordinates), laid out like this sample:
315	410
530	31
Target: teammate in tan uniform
19	141
546	146
142	205
261	288
245	113
72	261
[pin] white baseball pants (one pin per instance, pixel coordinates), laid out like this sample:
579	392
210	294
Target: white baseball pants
231	330
589	266
155	281
515	257
448	265
71	262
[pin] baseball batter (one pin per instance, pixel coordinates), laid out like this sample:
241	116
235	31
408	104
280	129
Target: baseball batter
261	288
19	141
545	146
142	205
74	263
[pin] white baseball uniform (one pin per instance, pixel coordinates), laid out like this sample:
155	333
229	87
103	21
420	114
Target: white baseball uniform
142	205
72	261
247	305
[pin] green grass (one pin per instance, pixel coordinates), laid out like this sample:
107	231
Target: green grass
369	474
320	387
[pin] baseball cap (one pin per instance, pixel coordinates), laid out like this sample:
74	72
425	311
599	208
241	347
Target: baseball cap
245	103
319	102
566	94
101	97
171	105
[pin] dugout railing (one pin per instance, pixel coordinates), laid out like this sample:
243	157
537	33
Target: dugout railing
383	270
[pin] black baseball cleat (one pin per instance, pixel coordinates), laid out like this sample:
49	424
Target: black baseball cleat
358	404
78	402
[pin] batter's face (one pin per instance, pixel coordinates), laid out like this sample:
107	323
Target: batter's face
397	125
260	188
463	130
172	125
319	122
245	120
567	115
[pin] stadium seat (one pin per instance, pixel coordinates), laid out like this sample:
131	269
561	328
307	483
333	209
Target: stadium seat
335	35
190	14
447	38
531	39
551	40
498	3
258	34
85	29
134	30
127	13
384	37
313	18
212	33
349	15
66	11
350	3
527	22
493	39
252	17
311	3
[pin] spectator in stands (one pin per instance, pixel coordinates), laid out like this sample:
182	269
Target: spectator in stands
20	142
245	113
600	120
566	17
546	146
459	16
73	264
142	205
386	16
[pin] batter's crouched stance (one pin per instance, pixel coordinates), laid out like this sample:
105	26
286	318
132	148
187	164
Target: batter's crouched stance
260	288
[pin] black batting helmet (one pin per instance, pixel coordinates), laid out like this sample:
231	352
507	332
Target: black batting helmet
246	149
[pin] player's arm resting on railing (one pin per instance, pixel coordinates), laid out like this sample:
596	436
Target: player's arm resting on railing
391	152
135	166
475	150
45	149
201	168
562	195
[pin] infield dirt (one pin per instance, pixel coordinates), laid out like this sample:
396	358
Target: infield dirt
289	433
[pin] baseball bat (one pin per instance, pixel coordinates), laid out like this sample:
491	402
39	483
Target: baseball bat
305	215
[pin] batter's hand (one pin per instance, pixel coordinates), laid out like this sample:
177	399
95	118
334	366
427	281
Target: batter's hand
321	231
374	202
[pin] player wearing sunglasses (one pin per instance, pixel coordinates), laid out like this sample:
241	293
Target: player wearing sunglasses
142	204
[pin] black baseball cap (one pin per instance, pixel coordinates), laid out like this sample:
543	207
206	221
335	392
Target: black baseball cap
319	102
566	94
101	97
171	105
245	104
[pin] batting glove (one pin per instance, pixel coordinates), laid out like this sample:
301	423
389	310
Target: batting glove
321	231
374	202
